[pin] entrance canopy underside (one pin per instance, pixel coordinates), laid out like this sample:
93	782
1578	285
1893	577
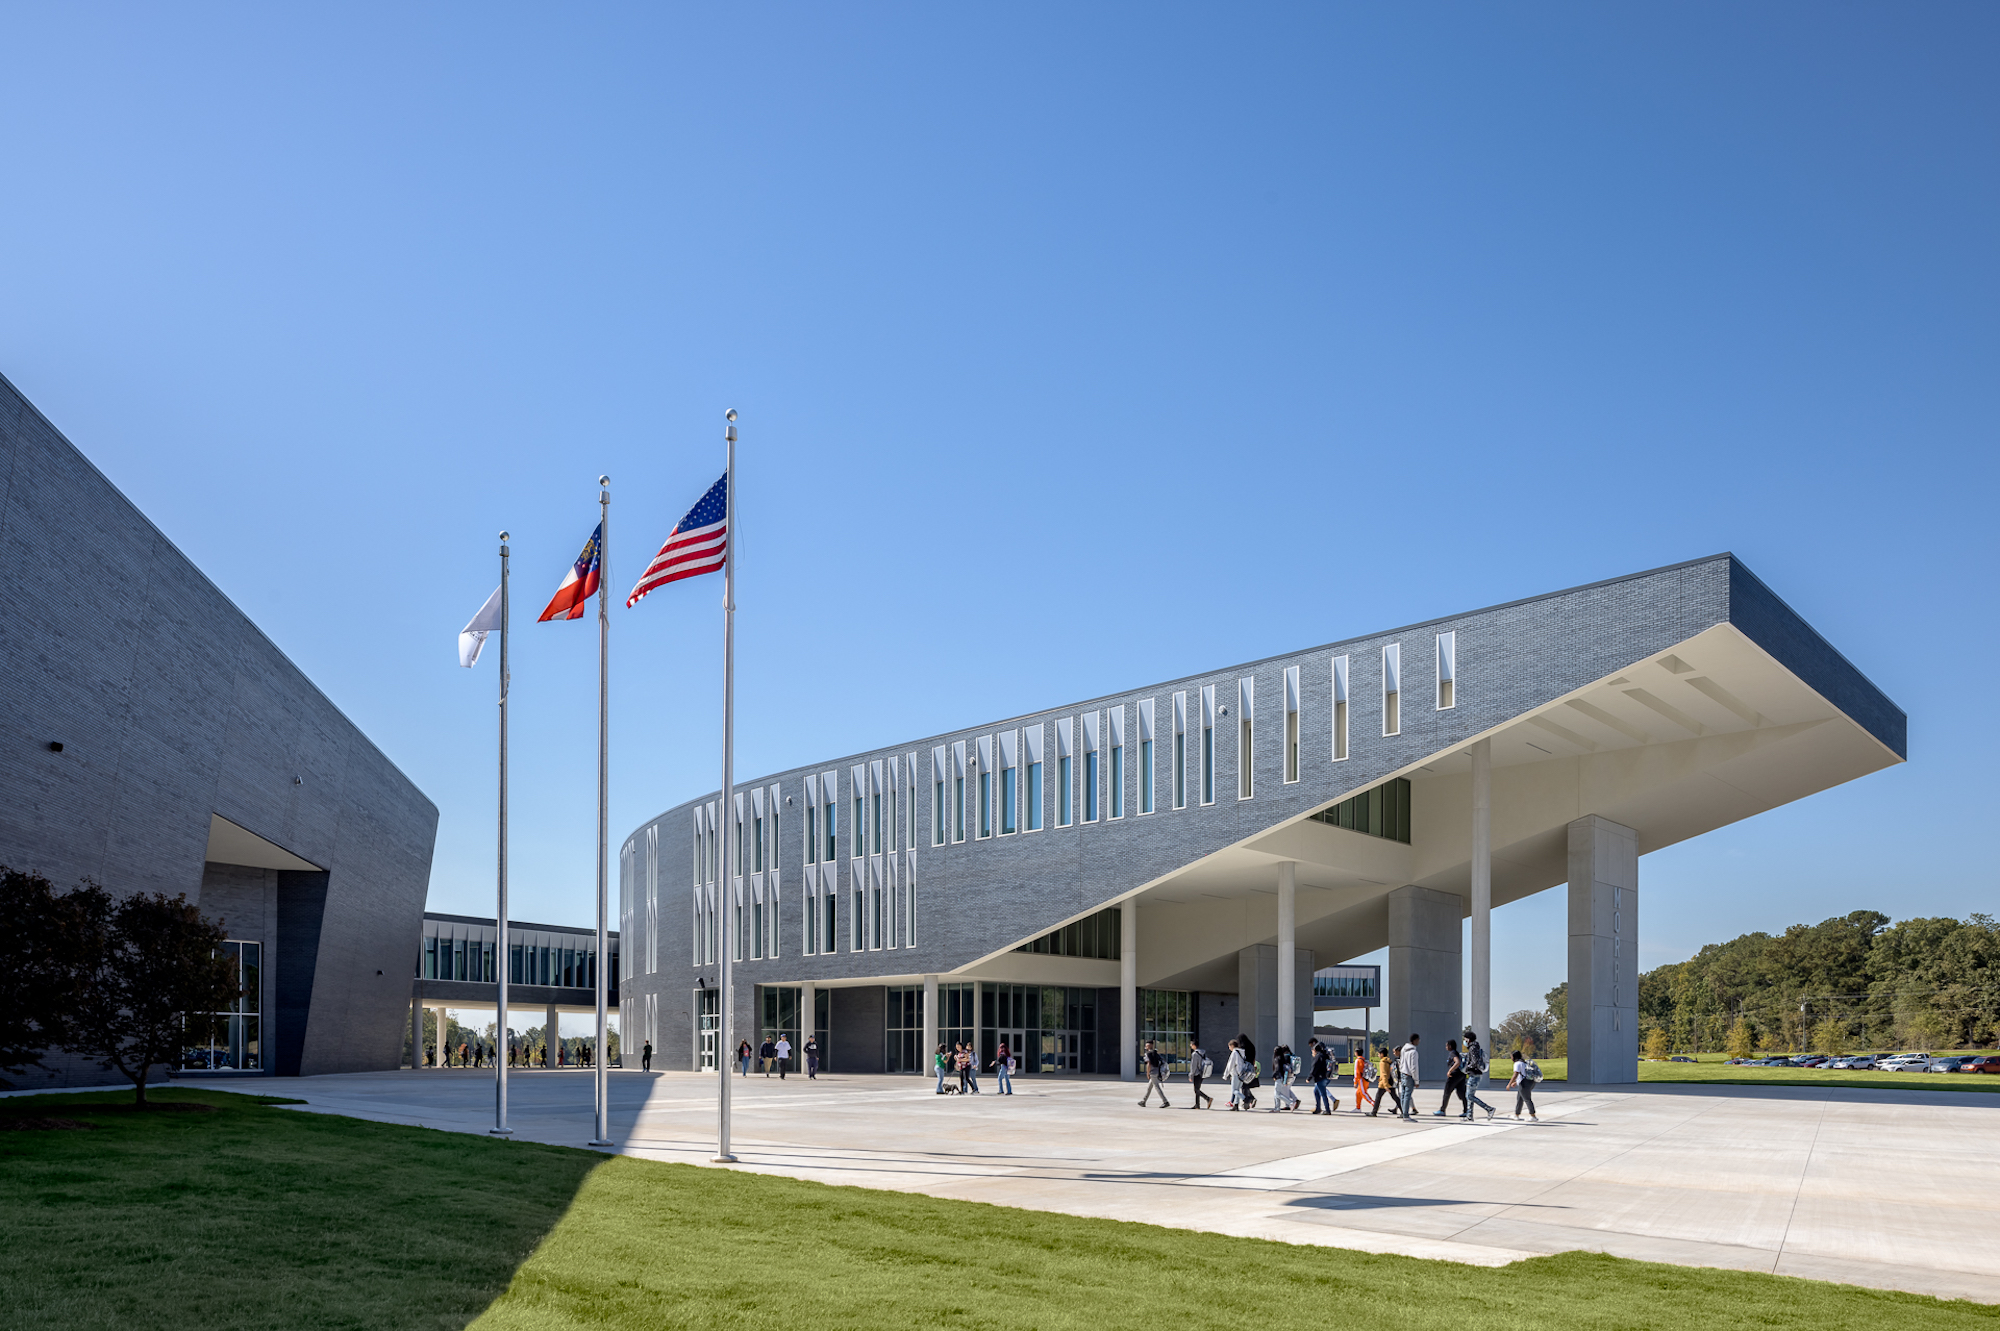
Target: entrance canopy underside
1683	742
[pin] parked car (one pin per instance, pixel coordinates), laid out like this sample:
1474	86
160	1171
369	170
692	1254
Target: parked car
1905	1063
1949	1063
1982	1063
1816	1061
1862	1062
1680	1058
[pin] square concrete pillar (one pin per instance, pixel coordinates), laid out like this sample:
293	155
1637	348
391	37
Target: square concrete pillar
1426	980
1603	953
1257	1001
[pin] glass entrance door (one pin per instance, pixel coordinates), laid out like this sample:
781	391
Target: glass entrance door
1062	1051
708	1004
1017	1045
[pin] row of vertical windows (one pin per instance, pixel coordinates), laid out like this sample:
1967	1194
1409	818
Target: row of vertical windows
1382	812
1092	936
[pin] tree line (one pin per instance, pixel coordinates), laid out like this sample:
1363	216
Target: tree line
1853	982
127	982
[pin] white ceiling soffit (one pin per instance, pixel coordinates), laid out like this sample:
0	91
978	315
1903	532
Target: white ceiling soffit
230	844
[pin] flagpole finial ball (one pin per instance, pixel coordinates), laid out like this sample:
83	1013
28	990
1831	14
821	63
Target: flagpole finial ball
505	537
604	480
729	415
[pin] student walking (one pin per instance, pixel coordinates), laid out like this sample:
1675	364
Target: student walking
972	1066
767	1055
1409	1081
1156	1075
1198	1068
1361	1077
645	1056
1454	1080
1475	1074
1386	1064
1322	1073
1242	1073
1523	1082
1282	1099
744	1053
784	1052
812	1058
1003	1068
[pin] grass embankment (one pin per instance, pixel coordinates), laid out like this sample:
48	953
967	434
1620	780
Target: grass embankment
250	1216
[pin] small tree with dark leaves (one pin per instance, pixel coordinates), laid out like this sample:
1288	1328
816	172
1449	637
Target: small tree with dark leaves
150	985
44	937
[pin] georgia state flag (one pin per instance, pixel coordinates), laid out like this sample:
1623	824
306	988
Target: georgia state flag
580	585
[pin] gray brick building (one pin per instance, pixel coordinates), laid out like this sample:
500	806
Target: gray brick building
153	739
1175	860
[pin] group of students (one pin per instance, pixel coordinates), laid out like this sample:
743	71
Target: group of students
776	1056
963	1060
479	1054
1395	1075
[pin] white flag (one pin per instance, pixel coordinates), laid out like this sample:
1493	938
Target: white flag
473	636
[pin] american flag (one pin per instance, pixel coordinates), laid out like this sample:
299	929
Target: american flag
699	544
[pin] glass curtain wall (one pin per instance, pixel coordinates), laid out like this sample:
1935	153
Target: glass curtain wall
1049	1028
231	1040
1166	1018
904	1030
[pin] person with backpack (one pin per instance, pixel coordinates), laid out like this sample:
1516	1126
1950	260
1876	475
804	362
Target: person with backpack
1241	1071
1003	1069
1156	1075
1410	1078
1526	1074
1475	1074
1198	1068
812	1057
1321	1072
1282	1098
1454	1080
1385	1078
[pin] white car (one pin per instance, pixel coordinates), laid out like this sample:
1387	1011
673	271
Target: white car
1906	1063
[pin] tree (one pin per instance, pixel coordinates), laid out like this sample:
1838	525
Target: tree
1830	1036
1742	1039
43	936
1526	1029
150	982
1657	1046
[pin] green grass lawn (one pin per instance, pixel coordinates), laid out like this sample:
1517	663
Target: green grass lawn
245	1215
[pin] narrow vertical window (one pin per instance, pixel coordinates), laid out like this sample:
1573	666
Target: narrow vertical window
757	931
832	920
910	808
860	822
876	914
878	821
742	844
985	804
832	826
1008	821
1339	709
1246	765
757	853
1090	785
1180	750
736	934
937	812
812	834
1291	723
1118	781
1447	664
958	807
1063	788
857	941
1145	776
1208	764
1392	689
1034	797
910	907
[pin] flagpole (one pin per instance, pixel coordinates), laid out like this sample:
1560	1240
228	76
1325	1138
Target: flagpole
501	953
599	1065
727	1005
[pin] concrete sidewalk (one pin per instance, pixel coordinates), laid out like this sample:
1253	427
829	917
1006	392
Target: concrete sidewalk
1892	1189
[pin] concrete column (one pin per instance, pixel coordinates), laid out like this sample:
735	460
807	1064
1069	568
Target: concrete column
1128	991
929	1049
416	1033
1425	972
552	1032
808	1004
438	1015
1288	968
1482	893
1603	953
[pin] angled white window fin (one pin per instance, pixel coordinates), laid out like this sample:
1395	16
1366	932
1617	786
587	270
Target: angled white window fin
1447	671
1392	689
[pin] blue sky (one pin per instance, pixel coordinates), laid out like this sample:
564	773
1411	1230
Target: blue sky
1072	349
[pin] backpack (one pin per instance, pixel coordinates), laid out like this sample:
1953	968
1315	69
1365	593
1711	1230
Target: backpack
1207	1068
1530	1073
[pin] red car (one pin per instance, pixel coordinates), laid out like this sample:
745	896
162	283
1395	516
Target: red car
1990	1063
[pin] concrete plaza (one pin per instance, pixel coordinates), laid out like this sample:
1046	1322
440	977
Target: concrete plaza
1892	1189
